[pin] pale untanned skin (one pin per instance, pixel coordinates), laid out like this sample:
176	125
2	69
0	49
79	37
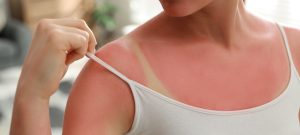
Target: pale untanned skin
195	54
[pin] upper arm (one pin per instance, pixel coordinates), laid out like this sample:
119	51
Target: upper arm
99	102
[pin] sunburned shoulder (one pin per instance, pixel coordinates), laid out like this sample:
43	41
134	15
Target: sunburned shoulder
293	35
119	55
106	98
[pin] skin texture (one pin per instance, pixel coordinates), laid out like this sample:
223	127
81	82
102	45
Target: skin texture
45	65
180	8
241	52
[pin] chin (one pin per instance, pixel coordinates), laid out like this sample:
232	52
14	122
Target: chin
182	8
177	13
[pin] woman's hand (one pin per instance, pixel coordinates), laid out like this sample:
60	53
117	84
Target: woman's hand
56	44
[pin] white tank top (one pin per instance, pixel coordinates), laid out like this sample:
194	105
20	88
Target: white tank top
156	114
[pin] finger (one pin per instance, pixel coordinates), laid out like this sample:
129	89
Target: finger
91	47
74	30
78	48
78	43
72	56
81	24
75	44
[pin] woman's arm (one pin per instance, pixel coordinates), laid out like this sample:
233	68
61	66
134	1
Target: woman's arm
56	44
100	103
30	116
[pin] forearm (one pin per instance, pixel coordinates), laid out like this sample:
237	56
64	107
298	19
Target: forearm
44	66
30	116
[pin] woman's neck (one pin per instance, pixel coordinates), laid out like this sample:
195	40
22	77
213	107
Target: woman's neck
221	21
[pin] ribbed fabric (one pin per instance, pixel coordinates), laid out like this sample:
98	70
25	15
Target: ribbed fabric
156	114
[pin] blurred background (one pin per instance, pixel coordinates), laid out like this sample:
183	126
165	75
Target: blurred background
109	19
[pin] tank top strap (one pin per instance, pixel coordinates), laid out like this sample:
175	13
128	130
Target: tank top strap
108	67
286	43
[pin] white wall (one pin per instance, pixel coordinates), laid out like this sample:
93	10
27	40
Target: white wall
283	11
134	12
143	10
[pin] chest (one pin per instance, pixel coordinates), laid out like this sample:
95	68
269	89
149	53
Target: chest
221	80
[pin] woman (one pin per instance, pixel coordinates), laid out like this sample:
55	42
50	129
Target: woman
199	67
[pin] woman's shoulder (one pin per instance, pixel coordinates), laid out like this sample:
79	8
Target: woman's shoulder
292	31
99	97
293	35
120	55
